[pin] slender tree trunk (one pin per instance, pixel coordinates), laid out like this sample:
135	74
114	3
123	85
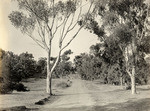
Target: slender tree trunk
49	73
134	55
56	62
133	85
49	77
131	74
49	84
121	81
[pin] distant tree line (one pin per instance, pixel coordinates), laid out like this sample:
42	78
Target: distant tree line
64	67
14	68
108	66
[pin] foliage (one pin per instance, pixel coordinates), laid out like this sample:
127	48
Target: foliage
20	87
6	88
88	66
65	66
125	24
108	68
42	67
143	69
15	68
43	20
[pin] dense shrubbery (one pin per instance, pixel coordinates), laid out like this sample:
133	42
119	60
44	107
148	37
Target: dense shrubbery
108	69
91	67
20	87
14	68
64	66
41	68
6	88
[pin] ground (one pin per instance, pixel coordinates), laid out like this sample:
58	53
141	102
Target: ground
81	96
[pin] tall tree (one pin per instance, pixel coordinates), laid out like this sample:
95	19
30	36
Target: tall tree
125	24
44	20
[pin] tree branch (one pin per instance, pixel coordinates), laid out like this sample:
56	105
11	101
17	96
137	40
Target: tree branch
57	27
38	42
72	38
53	15
63	29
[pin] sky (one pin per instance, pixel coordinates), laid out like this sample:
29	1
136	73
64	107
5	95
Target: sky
11	39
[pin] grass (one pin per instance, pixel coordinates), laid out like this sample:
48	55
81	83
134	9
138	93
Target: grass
139	105
114	98
106	97
36	93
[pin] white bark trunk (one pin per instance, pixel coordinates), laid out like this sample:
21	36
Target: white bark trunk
49	73
49	77
48	84
121	81
129	52
134	54
133	85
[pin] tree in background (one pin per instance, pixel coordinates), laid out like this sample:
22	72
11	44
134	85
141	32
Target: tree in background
88	66
45	20
111	57
27	64
65	66
42	67
5	81
14	68
125	24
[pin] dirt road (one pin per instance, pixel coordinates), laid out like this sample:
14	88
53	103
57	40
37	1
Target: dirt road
75	96
92	96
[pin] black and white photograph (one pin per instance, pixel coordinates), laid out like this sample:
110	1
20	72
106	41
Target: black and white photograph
74	55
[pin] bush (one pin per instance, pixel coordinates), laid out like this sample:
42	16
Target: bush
64	84
13	69
20	87
6	88
127	86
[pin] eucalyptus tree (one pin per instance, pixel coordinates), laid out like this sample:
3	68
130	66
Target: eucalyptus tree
46	20
125	24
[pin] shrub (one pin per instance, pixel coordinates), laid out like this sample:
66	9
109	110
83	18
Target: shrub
6	88
64	84
20	87
13	69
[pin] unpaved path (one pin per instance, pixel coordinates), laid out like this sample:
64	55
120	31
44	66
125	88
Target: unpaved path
90	96
75	96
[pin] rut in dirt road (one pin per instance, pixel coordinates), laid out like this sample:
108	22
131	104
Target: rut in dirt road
75	96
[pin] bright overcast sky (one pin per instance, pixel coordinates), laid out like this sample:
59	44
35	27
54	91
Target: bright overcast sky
11	39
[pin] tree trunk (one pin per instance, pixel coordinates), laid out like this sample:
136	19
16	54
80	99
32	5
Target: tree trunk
134	55
133	85
130	52
121	81
49	84
49	77
49	73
